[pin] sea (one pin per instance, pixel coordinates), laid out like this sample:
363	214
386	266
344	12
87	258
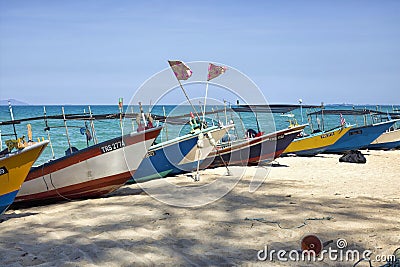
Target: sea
60	131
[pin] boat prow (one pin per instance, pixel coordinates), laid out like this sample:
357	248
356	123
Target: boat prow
91	172
316	143
14	167
387	140
251	151
359	137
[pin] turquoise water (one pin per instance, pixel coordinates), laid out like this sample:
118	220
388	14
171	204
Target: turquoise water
107	129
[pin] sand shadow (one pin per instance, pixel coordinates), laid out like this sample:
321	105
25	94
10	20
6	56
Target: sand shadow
6	217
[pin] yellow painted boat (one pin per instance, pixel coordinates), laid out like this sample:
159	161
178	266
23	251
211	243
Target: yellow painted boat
14	167
316	143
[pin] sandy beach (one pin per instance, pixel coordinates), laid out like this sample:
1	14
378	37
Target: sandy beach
356	202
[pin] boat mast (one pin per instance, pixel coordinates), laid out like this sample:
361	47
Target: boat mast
205	101
322	116
309	119
133	124
226	118
66	129
165	123
241	122
47	130
120	106
12	118
301	109
92	126
258	125
142	113
187	97
1	141
234	128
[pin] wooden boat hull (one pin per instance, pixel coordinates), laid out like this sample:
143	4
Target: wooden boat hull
251	151
176	156
13	170
359	137
316	143
387	140
90	172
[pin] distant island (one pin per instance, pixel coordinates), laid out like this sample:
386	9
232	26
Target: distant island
14	102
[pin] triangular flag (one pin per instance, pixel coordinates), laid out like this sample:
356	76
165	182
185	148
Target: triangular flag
214	71
180	69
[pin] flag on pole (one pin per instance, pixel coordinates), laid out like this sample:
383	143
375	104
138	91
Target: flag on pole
180	69
214	71
342	120
120	102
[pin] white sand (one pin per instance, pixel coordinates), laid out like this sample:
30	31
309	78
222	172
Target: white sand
131	228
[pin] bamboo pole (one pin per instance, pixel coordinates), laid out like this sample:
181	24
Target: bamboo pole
92	126
12	118
66	130
165	123
47	129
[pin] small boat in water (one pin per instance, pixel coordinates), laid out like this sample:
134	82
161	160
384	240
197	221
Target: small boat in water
264	147
14	167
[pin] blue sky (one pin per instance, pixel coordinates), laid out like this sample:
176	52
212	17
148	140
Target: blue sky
92	52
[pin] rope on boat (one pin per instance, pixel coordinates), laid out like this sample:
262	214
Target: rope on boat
51	181
58	193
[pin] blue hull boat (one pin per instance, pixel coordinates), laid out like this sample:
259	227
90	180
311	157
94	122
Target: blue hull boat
385	146
179	155
359	137
161	158
6	200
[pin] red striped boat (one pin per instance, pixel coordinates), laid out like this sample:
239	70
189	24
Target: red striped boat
265	147
90	172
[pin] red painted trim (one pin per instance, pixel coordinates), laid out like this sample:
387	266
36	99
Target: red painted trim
88	153
94	188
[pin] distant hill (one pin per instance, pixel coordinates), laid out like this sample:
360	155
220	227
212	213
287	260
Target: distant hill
14	102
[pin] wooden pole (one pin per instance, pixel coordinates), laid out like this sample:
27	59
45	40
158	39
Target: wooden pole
165	123
190	102
12	118
1	141
47	129
205	101
142	113
133	124
66	130
226	118
92	126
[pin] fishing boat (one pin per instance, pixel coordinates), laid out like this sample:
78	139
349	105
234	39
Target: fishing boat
179	155
357	137
316	143
14	167
243	152
388	140
91	172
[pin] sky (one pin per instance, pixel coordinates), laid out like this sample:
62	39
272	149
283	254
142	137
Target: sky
93	52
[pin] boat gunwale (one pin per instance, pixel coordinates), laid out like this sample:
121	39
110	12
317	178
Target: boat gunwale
96	146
